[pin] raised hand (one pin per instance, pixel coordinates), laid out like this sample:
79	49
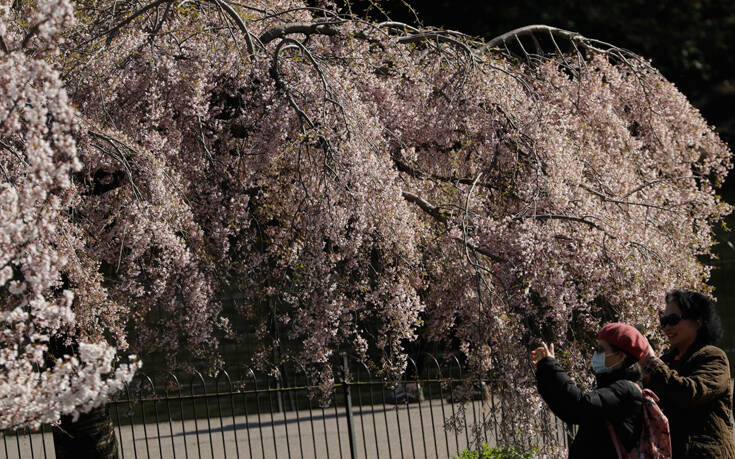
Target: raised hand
541	352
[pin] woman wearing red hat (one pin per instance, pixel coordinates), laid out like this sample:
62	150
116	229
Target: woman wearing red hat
616	400
692	379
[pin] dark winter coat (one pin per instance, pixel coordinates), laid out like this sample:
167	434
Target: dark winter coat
616	399
695	394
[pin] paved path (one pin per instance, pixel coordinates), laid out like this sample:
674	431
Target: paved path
295	434
310	435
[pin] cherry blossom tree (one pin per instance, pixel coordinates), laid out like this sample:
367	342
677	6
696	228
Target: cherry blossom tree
353	180
45	372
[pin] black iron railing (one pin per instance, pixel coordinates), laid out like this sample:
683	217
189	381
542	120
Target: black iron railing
247	414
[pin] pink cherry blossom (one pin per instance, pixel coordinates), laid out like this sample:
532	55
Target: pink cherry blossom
353	185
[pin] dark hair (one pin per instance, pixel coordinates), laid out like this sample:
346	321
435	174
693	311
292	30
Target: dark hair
629	359
630	369
695	306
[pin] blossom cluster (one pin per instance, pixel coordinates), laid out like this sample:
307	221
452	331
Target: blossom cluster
39	247
359	186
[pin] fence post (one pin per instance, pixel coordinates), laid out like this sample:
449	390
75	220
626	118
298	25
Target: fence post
348	406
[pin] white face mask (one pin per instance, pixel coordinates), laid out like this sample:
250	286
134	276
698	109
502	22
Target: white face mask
598	364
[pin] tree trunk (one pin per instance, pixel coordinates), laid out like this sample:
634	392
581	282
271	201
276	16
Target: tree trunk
92	436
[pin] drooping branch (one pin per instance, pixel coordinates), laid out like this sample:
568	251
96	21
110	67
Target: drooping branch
443	218
240	23
14	153
552	36
305	119
515	34
112	32
435	36
236	18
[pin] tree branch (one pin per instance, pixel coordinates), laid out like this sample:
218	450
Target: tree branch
606	198
419	174
14	153
398	26
576	40
113	31
426	207
298	27
120	157
33	31
653	182
442	218
240	23
3	45
529	30
562	217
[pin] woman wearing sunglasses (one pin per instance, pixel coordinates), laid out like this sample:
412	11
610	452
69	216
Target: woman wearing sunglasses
692	379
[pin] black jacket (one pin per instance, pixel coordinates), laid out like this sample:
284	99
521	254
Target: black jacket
616	399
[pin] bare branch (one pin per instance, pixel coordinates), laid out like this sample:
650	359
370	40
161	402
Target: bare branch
298	27
574	39
436	36
426	207
398	26
464	220
240	23
515	34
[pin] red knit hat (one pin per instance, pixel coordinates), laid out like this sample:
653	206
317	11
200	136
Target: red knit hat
625	337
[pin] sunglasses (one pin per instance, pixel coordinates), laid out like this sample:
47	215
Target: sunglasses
671	319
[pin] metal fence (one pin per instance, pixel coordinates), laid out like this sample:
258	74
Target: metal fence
248	414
